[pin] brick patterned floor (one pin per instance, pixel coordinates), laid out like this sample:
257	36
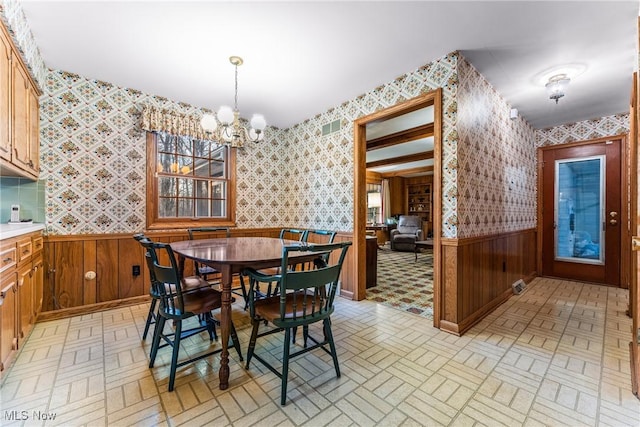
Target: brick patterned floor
555	355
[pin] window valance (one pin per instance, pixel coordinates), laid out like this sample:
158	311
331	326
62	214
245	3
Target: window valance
157	120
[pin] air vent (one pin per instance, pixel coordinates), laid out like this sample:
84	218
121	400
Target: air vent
332	127
518	286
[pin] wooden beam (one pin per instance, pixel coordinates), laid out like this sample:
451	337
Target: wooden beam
419	132
402	159
405	172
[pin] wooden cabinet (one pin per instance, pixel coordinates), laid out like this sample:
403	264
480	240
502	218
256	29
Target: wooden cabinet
19	114
372	261
34	132
419	202
5	97
25	298
8	319
21	291
38	284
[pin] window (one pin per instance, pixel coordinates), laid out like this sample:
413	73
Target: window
189	180
374	203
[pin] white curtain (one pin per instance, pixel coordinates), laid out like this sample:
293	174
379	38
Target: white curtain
386	201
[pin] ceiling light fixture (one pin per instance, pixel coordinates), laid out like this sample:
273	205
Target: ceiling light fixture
556	86
231	132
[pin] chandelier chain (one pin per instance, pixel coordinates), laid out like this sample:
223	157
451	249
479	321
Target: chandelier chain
236	98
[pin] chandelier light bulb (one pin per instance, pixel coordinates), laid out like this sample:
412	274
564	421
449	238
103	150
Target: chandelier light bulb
209	123
225	115
258	122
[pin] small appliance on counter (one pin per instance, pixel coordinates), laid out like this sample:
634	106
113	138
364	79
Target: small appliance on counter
15	216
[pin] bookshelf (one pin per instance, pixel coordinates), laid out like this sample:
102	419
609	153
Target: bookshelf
419	202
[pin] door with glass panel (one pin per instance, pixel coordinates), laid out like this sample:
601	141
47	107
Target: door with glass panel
581	212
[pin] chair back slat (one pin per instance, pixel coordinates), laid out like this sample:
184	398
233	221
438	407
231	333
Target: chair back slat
321	236
294	234
165	277
311	292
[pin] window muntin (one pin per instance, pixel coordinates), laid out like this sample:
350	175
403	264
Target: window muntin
192	180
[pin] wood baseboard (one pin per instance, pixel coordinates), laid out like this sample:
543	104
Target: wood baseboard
91	308
469	322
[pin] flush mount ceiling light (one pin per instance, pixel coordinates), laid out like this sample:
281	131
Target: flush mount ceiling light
231	132
557	85
556	79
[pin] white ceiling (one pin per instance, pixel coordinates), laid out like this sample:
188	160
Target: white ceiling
302	58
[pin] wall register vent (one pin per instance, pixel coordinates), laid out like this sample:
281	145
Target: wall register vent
332	127
518	286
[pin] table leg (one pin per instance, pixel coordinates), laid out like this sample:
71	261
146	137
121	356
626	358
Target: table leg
225	323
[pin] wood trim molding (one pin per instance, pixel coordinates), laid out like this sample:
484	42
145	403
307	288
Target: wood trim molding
91	308
486	238
359	156
154	233
153	222
585	142
462	327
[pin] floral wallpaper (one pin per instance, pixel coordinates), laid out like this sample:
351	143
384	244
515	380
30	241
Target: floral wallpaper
496	158
582	131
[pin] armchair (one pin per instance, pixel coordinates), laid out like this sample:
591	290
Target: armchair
404	237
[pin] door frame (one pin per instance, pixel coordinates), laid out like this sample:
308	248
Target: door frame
434	98
625	242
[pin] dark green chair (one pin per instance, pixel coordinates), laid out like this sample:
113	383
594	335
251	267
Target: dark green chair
306	297
188	284
271	288
293	234
320	236
177	306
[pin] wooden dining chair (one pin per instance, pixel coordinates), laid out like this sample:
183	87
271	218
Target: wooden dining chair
178	306
188	283
319	236
293	234
268	289
306	297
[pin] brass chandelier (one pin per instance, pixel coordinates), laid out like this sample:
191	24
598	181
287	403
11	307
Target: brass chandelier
231	131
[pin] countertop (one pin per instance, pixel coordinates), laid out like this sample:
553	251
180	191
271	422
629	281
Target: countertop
10	230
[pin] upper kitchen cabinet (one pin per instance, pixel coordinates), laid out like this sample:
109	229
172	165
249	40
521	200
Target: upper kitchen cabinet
19	114
5	97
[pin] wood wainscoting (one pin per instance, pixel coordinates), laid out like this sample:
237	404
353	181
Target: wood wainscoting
70	288
477	274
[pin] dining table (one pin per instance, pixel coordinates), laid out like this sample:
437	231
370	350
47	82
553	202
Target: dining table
231	255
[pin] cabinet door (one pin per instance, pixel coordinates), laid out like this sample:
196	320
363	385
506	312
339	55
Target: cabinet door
38	286
25	300
8	320
20	122
34	132
5	97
